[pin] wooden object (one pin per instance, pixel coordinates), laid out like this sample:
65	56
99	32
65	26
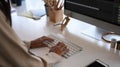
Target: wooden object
55	10
55	15
65	22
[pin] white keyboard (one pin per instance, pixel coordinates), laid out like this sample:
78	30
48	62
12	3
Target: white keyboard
73	48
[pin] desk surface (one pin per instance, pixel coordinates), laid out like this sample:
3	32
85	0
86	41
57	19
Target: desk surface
28	29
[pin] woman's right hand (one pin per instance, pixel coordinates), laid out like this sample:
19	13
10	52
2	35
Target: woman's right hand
59	49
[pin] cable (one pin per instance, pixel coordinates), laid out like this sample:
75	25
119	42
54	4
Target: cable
108	33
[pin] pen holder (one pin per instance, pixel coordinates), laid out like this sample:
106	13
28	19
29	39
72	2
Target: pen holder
55	15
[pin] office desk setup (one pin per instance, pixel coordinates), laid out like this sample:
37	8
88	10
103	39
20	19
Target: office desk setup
92	48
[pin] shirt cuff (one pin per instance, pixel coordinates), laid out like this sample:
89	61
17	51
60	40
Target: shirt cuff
27	44
51	59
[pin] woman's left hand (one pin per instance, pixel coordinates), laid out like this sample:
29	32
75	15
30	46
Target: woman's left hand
39	42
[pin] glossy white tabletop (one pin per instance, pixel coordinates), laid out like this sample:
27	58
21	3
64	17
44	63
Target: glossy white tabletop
29	29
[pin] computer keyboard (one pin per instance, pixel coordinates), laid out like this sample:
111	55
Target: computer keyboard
73	48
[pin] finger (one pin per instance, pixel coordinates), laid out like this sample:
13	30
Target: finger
45	38
53	49
44	45
63	48
60	44
38	45
58	50
64	52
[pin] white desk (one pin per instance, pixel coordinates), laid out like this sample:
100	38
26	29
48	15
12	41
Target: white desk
28	29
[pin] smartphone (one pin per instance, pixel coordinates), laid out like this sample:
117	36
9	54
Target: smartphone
97	63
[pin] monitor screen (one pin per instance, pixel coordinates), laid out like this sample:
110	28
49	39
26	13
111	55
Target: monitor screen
101	13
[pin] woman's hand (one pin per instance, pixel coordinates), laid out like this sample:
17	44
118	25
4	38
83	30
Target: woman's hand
39	42
60	48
